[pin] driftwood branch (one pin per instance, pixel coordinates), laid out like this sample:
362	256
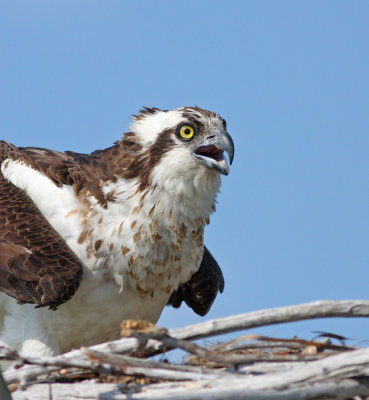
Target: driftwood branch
310	380
300	312
344	390
329	370
101	363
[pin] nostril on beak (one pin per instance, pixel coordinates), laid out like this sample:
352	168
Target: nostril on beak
210	137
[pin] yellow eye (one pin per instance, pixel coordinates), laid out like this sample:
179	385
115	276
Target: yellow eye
186	132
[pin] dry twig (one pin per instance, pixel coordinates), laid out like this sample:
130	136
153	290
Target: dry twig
335	376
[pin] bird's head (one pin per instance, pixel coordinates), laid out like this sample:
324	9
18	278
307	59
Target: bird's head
181	152
194	137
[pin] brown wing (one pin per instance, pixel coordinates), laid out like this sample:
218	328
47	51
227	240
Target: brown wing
201	290
36	265
81	171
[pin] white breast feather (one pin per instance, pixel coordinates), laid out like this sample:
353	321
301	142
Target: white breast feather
150	243
144	237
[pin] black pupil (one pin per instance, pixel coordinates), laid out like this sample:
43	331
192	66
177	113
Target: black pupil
187	131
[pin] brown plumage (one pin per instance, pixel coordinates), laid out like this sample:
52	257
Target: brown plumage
111	235
36	266
201	290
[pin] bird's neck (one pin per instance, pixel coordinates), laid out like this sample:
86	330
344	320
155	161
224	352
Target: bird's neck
130	172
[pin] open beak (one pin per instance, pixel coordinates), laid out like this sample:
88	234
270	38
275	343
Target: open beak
211	151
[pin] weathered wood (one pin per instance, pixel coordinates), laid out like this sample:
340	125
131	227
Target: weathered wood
223	389
107	391
153	369
254	319
103	362
335	376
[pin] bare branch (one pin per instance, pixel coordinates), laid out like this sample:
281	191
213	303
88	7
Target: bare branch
335	376
300	312
317	379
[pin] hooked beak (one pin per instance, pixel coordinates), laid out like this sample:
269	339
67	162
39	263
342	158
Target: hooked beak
211	151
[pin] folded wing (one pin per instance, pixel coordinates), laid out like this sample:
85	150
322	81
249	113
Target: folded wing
201	290
36	265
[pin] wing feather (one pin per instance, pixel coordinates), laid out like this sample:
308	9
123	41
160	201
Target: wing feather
201	290
36	265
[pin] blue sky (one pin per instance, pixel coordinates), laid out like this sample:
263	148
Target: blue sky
291	79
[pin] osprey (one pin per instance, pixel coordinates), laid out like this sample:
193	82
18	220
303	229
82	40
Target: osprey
88	240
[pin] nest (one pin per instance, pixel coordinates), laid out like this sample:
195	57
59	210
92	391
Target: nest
248	367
